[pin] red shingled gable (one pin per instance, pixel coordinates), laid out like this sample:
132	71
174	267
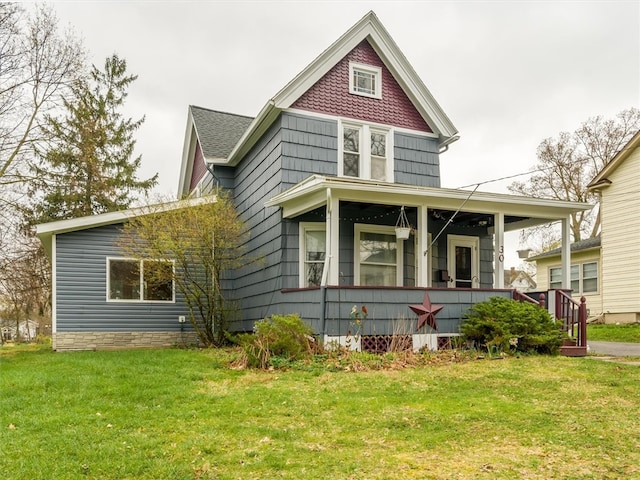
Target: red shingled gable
199	168
331	95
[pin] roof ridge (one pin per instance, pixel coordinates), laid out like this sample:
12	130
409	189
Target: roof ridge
221	112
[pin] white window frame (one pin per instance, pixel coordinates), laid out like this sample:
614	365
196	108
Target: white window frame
364	167
579	267
141	268
305	227
359	228
375	72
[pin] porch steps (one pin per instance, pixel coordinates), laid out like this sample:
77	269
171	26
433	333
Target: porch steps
570	348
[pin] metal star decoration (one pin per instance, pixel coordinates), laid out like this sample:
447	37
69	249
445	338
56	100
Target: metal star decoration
426	313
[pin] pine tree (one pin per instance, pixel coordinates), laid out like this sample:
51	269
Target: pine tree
88	167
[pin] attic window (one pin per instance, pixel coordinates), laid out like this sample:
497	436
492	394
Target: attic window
365	80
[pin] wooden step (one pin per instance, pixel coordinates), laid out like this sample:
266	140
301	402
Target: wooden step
573	351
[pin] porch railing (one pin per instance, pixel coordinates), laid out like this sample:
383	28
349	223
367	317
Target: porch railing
523	297
573	315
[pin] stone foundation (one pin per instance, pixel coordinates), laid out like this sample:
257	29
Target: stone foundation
121	340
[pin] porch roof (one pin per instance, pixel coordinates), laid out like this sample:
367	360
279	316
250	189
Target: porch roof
313	192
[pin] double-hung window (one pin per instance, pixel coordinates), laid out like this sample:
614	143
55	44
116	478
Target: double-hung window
378	256
140	280
313	248
584	277
366	152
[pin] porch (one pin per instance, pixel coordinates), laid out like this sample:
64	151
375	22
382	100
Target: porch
329	310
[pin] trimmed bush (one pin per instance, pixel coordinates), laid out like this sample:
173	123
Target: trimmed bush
506	325
277	341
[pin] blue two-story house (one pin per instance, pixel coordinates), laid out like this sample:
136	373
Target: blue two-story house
346	152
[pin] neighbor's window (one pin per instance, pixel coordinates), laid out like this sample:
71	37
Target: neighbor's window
590	277
313	248
366	80
378	256
584	278
140	280
365	152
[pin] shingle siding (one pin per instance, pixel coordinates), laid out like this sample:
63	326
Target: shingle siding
416	160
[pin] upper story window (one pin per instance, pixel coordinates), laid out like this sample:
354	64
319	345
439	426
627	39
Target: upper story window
365	80
366	152
584	278
139	280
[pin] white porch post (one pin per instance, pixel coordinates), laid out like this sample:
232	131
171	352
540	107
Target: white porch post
332	238
565	255
422	275
498	253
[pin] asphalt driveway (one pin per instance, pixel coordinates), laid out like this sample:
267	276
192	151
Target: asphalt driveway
616	349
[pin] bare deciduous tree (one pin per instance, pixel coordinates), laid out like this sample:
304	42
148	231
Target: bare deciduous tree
203	243
567	163
38	66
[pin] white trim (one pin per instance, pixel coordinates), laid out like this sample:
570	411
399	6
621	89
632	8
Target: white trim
311	193
303	228
141	275
359	228
326	116
54	285
464	241
376	72
46	230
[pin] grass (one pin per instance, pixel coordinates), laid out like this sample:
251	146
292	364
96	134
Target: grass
614	333
183	414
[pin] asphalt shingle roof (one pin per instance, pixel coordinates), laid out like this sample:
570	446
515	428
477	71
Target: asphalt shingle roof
586	244
218	132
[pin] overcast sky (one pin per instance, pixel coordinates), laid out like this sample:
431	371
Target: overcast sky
508	74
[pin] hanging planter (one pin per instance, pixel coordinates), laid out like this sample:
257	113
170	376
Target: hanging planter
403	229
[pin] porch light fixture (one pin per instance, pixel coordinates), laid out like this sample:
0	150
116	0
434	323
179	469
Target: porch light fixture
403	229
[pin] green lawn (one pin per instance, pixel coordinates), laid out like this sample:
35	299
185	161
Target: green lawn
183	414
614	333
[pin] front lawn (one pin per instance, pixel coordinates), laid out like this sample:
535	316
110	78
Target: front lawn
183	414
614	333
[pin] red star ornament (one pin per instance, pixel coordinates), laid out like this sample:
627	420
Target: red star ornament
426	313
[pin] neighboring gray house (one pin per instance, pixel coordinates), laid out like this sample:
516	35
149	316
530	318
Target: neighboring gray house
322	176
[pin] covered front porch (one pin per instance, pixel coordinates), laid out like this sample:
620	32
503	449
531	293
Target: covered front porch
350	254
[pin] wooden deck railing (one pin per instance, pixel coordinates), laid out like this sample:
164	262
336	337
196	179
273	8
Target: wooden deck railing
573	315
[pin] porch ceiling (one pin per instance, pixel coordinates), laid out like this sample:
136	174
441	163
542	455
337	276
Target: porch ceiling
519	211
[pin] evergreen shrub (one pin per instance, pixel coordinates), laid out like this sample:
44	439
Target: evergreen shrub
506	325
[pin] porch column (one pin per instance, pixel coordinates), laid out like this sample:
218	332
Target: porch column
498	252
422	253
332	238
565	255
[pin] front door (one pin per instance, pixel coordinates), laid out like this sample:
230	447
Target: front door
463	261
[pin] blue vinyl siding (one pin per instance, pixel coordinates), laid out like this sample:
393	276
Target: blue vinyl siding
81	289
